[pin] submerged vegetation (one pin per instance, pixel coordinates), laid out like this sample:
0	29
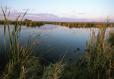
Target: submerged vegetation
95	63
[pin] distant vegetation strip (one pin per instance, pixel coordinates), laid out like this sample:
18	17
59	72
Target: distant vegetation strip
68	24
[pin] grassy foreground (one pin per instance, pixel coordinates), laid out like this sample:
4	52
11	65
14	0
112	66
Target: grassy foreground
95	63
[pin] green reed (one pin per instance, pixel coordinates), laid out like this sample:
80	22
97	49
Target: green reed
99	56
17	55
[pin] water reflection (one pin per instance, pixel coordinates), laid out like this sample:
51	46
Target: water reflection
52	41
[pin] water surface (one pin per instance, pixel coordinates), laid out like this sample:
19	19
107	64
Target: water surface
52	42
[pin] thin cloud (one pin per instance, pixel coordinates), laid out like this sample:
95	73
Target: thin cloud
82	13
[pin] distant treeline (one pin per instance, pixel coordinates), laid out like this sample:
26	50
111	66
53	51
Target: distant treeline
31	23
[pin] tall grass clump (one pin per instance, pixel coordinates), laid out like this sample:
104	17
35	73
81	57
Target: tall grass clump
53	71
111	38
98	57
17	55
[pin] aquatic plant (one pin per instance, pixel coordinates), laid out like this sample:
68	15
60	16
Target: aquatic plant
53	71
111	38
17	55
98	56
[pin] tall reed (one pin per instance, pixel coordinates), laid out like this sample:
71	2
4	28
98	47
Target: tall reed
17	55
98	56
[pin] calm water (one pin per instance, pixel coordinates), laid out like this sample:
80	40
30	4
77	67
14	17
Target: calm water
52	41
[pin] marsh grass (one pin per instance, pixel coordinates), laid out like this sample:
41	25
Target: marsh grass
17	55
53	71
98	56
111	38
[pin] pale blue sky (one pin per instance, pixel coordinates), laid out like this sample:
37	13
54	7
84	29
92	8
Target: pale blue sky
65	8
